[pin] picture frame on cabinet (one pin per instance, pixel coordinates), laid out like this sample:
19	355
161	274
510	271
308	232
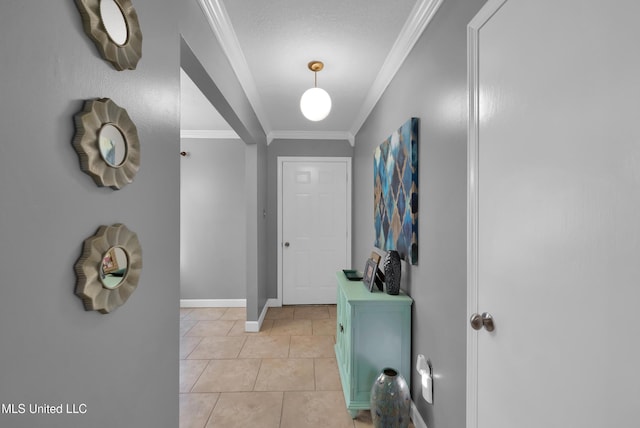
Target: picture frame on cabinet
379	277
370	270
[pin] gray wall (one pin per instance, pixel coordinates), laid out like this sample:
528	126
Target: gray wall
261	227
307	148
431	85
122	365
203	59
212	219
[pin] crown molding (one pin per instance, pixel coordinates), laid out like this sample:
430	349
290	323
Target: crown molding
419	19
220	23
209	134
310	135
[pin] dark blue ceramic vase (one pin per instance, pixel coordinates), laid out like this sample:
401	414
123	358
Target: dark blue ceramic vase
390	400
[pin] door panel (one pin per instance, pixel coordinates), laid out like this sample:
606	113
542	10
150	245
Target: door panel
315	228
555	192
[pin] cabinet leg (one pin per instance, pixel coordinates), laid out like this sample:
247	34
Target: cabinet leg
353	413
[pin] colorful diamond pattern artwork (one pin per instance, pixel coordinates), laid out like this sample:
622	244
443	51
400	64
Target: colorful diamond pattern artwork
395	174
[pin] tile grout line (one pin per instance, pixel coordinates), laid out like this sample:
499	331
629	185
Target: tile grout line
194	348
281	410
212	409
186	333
199	376
315	383
255	381
244	340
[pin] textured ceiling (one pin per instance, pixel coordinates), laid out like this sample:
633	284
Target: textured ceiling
361	42
352	38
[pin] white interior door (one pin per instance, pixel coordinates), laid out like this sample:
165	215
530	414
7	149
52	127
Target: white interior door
554	235
315	227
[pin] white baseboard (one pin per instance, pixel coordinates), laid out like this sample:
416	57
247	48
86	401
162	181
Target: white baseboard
416	418
254	326
213	303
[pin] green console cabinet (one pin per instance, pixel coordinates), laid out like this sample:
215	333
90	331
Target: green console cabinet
373	331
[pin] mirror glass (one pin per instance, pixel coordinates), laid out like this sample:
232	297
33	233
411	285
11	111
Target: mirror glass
113	146
113	268
114	21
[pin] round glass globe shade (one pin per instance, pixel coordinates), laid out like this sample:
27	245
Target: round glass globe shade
315	104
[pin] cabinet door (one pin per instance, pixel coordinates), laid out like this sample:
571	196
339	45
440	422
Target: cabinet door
380	340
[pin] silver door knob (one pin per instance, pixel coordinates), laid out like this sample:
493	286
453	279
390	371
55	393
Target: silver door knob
476	321
485	320
286	244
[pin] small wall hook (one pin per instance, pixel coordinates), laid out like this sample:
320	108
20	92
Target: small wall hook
183	154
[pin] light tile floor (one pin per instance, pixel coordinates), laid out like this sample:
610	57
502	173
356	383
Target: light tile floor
285	376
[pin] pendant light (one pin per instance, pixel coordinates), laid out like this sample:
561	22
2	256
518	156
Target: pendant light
315	103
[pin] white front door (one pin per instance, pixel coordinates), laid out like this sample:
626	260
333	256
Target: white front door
315	227
554	224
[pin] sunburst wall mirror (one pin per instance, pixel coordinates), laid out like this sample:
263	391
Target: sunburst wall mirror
107	143
114	28
109	268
